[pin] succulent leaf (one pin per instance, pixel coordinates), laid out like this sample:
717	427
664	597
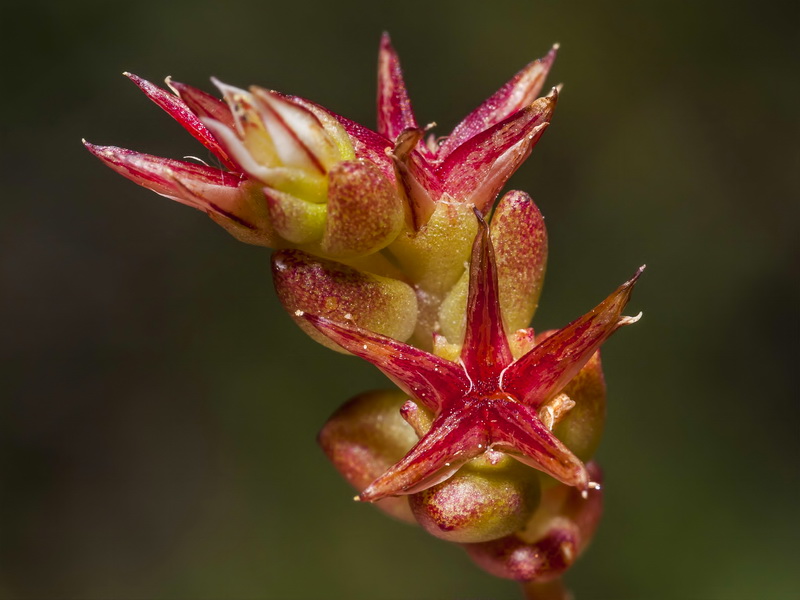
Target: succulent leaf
365	213
307	284
520	241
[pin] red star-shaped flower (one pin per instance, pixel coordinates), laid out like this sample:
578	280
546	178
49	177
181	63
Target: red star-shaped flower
487	400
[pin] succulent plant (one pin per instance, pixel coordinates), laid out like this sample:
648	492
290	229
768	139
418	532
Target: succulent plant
391	245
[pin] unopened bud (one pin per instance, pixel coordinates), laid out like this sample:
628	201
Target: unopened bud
480	502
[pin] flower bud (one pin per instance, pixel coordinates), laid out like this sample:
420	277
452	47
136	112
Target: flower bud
364	213
551	541
306	284
365	437
520	243
480	502
434	259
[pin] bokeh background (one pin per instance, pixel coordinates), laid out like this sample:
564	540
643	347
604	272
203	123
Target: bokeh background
159	410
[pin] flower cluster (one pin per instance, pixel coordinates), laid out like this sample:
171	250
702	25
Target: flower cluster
385	249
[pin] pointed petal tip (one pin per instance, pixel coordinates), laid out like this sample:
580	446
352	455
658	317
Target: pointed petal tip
632	281
139	81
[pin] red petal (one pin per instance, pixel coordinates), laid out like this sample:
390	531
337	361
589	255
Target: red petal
162	175
369	145
547	368
477	170
485	352
450	443
516	94
423	376
420	185
203	104
178	110
518	431
394	108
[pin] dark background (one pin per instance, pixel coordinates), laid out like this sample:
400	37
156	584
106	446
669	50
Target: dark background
159	410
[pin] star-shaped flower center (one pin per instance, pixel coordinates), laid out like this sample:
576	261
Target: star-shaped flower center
487	401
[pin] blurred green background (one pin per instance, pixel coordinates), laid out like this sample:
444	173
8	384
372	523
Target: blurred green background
159	410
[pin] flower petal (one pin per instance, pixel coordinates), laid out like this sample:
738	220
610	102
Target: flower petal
477	170
299	137
520	242
369	145
178	110
394	107
365	213
252	155
451	442
424	377
486	352
231	201
421	187
201	103
547	368
307	284
162	175
517	93
518	431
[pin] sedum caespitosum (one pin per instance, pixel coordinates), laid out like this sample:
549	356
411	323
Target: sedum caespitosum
392	245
